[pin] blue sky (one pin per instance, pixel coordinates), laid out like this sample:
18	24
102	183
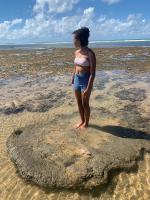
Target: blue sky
54	20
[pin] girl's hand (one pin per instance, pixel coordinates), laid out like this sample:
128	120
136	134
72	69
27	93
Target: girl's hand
86	92
72	80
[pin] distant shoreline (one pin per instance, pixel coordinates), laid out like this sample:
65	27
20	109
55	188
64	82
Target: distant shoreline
92	44
92	41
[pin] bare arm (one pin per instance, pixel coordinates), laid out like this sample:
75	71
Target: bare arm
74	70
92	59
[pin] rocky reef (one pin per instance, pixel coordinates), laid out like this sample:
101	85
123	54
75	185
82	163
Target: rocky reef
55	156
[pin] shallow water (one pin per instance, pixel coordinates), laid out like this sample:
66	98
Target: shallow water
130	57
111	92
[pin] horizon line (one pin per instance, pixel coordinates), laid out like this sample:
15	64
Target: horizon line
69	42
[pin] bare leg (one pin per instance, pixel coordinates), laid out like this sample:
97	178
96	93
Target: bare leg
80	108
87	110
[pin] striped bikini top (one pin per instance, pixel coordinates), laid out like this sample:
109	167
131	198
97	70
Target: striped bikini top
81	61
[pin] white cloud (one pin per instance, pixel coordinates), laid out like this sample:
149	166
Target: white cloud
6	25
110	2
57	6
45	26
87	17
42	25
101	19
133	25
16	21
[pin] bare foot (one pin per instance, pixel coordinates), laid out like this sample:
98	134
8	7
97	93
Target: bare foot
84	125
78	125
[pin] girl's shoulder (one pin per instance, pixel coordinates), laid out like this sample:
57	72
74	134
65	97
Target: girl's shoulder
76	52
91	51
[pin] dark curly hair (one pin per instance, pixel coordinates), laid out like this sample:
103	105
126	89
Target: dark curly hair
82	34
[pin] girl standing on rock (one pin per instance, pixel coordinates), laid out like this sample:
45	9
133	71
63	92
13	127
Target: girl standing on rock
83	74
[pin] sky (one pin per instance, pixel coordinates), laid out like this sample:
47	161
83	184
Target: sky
36	21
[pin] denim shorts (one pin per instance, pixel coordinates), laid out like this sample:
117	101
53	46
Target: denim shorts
81	81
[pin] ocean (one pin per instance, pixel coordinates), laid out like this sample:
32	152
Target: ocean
92	44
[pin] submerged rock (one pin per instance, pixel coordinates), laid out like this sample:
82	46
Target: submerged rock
38	103
132	94
131	114
56	156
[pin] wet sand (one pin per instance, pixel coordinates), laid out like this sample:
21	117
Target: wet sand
33	92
